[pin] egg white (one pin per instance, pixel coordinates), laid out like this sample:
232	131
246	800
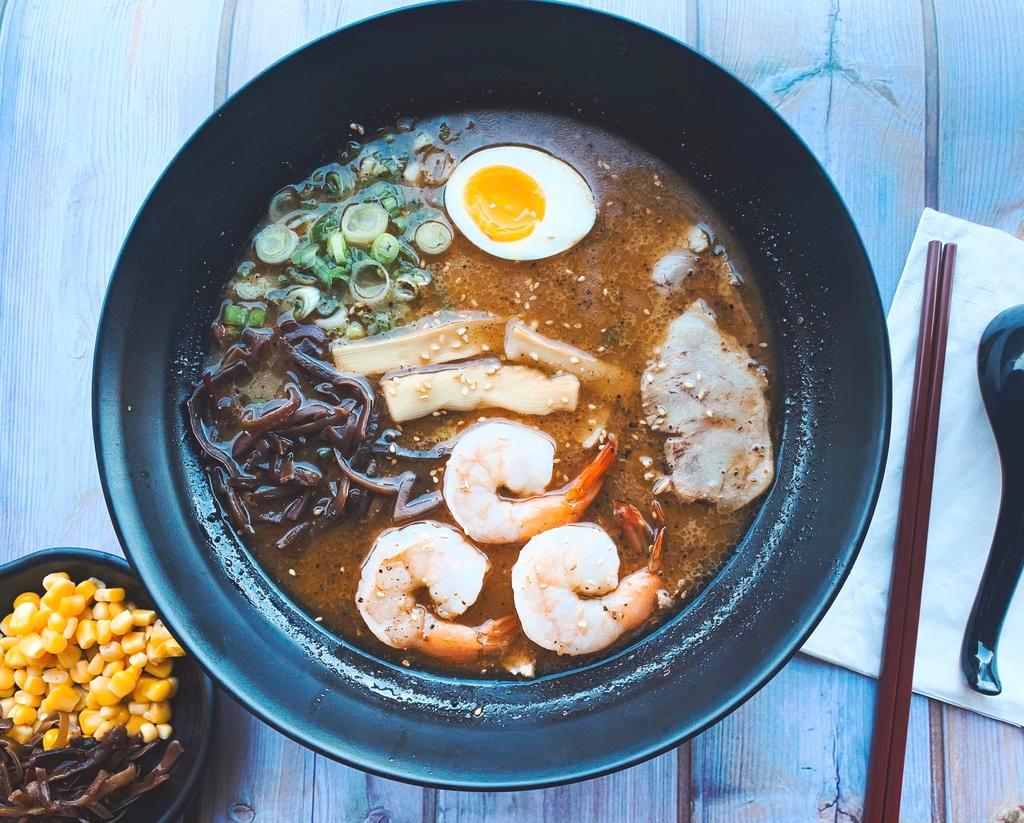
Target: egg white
569	206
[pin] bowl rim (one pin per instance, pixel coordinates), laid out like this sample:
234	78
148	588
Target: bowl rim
115	496
56	554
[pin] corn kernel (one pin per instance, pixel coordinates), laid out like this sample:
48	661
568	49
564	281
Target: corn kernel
113	667
55	677
134	708
88	721
114	609
23	715
95	667
62	698
115	595
101	611
57	622
122	623
54	642
21	619
111	650
34	684
149	732
5	627
170	648
51	579
104	727
105	697
71	655
27	597
72	605
14	658
91	702
32	646
133	642
40	618
158	691
50	739
139	659
103	633
87	588
80	672
123	683
85	634
22	734
7	703
158	713
134	724
164	731
143	617
24	698
70	628
161	668
57	592
6	677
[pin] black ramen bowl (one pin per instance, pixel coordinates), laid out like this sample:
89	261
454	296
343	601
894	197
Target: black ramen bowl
833	378
193	704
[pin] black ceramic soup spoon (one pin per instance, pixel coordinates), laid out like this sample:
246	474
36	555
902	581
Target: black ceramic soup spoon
1001	375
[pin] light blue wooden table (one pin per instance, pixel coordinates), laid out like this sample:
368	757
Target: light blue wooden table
907	102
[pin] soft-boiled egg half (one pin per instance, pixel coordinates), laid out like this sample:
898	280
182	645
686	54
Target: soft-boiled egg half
519	203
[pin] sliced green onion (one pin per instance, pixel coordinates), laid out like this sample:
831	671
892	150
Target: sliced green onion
385	249
432	237
303	299
327	306
335	321
390	197
301	277
354	331
285	201
275	243
304	256
257	316
404	290
246	268
363	222
336	247
235	315
380	322
421	277
408	253
370	283
323	228
339	182
326	272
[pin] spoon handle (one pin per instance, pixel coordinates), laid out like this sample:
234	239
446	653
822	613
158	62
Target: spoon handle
1002	571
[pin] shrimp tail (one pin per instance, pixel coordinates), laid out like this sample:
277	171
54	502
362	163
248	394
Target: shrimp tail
654	561
495	635
638	531
583	488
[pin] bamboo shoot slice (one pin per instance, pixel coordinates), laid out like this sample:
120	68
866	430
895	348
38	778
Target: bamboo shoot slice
479	384
523	342
440	338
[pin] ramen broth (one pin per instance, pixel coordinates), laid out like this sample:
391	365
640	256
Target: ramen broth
598	296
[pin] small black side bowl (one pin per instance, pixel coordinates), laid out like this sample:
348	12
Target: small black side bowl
193	705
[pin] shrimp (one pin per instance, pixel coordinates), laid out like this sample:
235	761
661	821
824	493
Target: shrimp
568	594
499	453
436	557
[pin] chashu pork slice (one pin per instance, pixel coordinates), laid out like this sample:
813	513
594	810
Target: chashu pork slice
703	389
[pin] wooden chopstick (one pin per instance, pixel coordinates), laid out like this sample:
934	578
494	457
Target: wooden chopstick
892	709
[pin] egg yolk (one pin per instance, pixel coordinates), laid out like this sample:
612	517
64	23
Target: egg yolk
505	202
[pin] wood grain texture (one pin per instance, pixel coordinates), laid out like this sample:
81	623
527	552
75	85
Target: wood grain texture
87	122
979	67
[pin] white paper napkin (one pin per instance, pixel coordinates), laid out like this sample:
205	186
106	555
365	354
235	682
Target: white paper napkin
989	277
